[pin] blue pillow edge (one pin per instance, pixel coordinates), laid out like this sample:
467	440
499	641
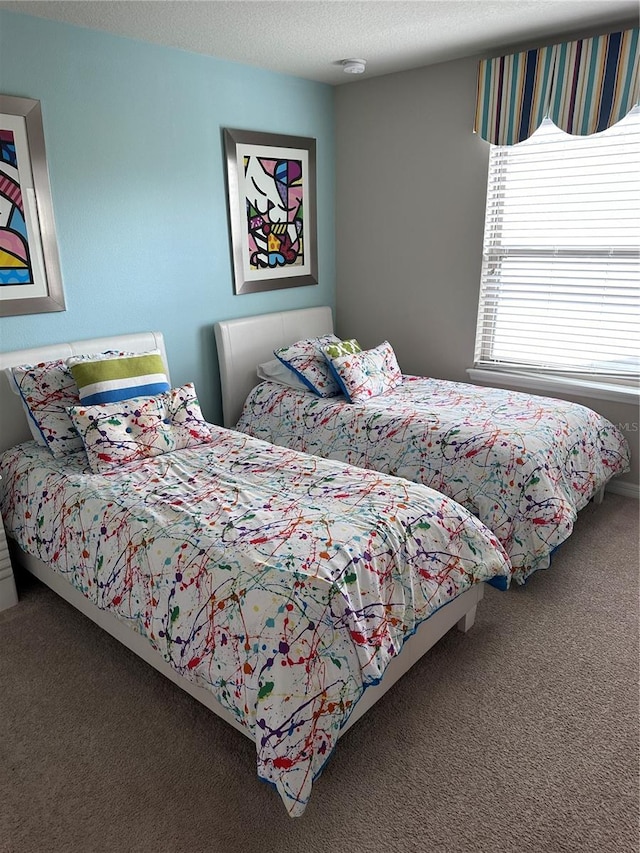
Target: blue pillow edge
27	408
299	375
338	379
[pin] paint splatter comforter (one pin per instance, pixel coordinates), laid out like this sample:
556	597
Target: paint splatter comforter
525	465
281	582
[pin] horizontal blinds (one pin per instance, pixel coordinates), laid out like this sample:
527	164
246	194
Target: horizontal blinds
561	264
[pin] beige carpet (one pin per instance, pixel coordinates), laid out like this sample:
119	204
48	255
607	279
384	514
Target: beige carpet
520	736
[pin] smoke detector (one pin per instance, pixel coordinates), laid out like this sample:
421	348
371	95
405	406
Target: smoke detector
354	66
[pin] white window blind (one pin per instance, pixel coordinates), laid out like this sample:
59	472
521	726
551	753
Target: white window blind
560	287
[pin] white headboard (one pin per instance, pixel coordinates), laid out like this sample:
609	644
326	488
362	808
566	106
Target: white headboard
245	343
13	421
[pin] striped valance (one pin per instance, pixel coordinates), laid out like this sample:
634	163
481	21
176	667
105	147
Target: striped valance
513	95
584	86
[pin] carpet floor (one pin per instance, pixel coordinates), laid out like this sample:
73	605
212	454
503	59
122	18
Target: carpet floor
521	736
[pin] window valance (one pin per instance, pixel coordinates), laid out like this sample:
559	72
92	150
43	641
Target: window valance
583	86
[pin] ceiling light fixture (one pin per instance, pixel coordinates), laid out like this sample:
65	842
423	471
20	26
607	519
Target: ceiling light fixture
354	66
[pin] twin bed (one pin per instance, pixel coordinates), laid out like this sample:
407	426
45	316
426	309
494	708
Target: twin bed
525	465
285	592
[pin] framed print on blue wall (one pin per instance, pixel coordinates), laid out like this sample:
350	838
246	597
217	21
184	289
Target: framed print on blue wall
271	183
30	281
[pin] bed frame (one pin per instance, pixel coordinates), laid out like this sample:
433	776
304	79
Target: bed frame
14	430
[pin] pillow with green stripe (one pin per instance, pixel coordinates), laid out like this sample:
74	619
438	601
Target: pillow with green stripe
113	378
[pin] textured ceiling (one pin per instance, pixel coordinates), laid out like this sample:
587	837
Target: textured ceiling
310	38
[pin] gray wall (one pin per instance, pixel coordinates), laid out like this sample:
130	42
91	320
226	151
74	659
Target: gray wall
410	196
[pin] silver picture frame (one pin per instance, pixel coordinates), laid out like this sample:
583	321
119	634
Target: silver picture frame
271	188
32	283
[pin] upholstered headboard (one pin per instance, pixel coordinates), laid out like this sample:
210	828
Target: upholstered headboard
13	421
245	343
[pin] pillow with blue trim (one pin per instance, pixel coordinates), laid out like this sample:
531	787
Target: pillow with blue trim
116	434
366	374
307	360
112	378
46	389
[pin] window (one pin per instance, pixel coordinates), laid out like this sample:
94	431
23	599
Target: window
560	290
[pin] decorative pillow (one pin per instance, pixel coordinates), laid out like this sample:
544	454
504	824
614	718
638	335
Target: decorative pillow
115	434
367	374
109	379
349	347
47	389
275	371
306	359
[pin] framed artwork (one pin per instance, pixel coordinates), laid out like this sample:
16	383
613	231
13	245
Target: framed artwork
271	183
30	281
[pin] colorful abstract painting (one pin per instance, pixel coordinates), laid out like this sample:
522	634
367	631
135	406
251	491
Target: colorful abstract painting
15	261
275	217
272	210
30	279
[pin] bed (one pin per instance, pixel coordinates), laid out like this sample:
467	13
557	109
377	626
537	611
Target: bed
524	464
286	593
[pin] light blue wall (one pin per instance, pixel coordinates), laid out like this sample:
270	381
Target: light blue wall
134	146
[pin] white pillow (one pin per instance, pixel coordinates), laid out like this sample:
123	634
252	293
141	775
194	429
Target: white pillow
276	371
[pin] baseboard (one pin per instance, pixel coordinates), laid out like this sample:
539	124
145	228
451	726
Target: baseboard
629	490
